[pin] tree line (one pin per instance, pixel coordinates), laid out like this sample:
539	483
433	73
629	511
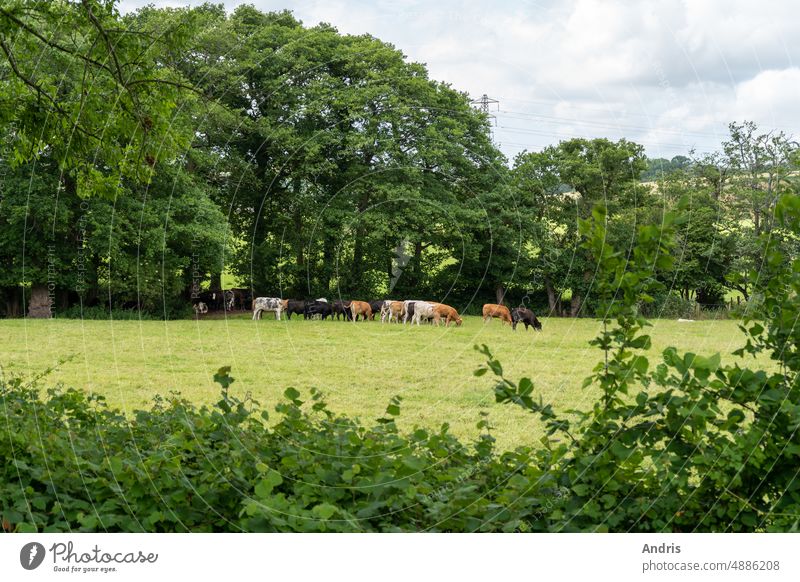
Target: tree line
145	155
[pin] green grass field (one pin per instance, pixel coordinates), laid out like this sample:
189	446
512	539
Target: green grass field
359	366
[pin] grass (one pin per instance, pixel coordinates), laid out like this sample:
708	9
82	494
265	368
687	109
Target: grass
359	366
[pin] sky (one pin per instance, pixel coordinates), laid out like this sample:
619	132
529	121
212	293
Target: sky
668	74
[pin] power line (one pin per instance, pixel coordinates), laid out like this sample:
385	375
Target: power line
551	119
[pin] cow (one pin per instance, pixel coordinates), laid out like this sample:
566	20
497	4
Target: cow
423	310
448	313
317	307
212	299
376	307
261	304
294	307
361	308
392	310
526	316
341	307
491	310
200	308
228	300
408	310
241	298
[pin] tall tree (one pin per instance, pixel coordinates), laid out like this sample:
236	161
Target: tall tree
88	89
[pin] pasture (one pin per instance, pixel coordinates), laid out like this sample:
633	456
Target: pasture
359	366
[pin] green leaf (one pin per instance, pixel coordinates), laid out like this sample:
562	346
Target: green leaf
525	387
223	378
264	488
292	394
324	510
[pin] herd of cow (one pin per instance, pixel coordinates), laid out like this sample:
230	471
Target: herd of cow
413	311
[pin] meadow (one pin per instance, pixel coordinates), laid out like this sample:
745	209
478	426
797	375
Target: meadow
359	366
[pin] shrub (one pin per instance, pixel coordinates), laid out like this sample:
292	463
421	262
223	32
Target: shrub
177	467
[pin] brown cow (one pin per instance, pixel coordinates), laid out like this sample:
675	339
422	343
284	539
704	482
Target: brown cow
361	308
491	310
448	313
394	310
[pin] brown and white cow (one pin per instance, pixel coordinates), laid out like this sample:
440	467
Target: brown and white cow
491	310
394	310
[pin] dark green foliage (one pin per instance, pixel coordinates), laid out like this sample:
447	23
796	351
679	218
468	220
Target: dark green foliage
179	468
88	89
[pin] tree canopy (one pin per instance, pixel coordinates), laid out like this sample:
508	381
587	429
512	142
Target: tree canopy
166	146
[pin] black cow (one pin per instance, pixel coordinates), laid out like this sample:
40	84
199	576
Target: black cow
341	307
213	299
408	315
526	316
376	308
321	308
296	307
242	298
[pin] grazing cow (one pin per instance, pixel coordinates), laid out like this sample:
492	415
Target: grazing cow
394	310
423	310
491	310
447	313
361	308
317	307
200	308
408	310
294	307
376	307
267	304
342	308
526	316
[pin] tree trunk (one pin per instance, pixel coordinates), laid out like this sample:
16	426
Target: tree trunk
216	282
41	303
297	222
575	304
551	296
500	293
329	263
358	245
298	239
417	263
11	296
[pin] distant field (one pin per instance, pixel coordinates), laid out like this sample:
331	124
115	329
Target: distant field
359	366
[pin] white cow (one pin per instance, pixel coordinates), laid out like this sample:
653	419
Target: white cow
200	308
267	304
423	310
386	311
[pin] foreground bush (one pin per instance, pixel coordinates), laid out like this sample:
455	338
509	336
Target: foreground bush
689	445
75	464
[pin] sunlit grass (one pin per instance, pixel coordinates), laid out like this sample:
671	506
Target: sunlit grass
359	366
